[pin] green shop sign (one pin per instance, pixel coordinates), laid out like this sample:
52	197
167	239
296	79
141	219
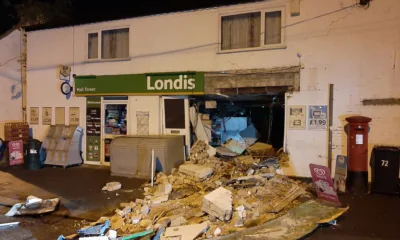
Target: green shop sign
185	83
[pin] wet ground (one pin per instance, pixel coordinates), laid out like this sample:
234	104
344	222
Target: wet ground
79	188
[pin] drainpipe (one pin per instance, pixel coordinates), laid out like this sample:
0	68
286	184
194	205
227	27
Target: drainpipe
24	43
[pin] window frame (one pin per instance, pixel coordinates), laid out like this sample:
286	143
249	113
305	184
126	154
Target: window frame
99	44
262	46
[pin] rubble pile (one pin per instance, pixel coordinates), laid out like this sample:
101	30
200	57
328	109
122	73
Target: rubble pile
208	197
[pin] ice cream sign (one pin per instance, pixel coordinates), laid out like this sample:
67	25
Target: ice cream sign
323	182
16	152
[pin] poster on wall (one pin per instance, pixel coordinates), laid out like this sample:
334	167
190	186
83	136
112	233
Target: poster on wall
63	72
46	116
340	173
317	117
74	116
321	177
297	117
93	128
16	152
34	117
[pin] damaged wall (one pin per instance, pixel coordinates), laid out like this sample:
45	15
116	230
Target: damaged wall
335	41
10	79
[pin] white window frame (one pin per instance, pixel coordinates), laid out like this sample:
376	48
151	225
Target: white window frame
262	46
99	53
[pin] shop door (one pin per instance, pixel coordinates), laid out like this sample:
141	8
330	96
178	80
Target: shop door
114	121
175	118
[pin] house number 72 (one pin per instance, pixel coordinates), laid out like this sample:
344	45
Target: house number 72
385	163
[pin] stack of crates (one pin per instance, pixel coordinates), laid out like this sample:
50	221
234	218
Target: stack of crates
16	131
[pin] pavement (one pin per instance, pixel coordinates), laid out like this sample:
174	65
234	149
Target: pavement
79	189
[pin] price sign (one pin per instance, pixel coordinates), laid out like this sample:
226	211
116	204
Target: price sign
74	116
317	117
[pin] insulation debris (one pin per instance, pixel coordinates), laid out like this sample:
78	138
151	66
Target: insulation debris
112	186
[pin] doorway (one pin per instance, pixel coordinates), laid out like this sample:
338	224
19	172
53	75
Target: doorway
114	124
175	118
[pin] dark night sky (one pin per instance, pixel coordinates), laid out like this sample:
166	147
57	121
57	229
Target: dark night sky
87	11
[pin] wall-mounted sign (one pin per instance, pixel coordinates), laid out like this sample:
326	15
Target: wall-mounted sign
46	115
340	173
317	117
321	177
297	117
16	152
186	83
74	116
34	115
93	128
63	73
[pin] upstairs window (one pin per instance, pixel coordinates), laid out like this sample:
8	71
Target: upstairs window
108	44
262	29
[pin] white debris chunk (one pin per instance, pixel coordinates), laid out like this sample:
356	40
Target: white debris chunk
196	171
112	186
33	202
158	200
145	209
178	221
218	203
188	232
111	234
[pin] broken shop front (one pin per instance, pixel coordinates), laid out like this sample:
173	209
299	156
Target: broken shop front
240	108
136	104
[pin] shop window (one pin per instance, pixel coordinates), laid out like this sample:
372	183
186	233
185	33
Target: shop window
273	29
114	44
115	119
256	30
174	113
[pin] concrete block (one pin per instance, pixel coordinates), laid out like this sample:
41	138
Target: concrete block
188	232
196	171
218	203
178	221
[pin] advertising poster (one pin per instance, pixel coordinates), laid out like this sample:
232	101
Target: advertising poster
15	149
34	117
323	182
340	173
297	117
93	128
47	115
317	117
74	116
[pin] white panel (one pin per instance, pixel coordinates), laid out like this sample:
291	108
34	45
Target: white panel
138	104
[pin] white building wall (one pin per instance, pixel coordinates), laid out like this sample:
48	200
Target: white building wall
355	49
10	79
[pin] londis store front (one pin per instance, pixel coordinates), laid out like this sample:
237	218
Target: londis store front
136	104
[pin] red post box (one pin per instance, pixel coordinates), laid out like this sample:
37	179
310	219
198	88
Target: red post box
357	152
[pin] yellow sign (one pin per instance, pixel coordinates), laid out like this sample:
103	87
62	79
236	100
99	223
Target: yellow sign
34	117
46	116
63	72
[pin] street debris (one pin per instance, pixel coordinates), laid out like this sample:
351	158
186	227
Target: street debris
209	196
11	224
112	186
33	206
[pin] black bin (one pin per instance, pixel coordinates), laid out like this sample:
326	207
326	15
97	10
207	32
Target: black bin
32	154
385	166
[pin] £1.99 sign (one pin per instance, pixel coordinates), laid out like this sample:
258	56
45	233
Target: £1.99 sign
317	117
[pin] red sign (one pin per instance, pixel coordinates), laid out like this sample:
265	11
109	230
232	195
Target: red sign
322	179
16	152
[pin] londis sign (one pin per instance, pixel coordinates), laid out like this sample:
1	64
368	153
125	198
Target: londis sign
185	83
